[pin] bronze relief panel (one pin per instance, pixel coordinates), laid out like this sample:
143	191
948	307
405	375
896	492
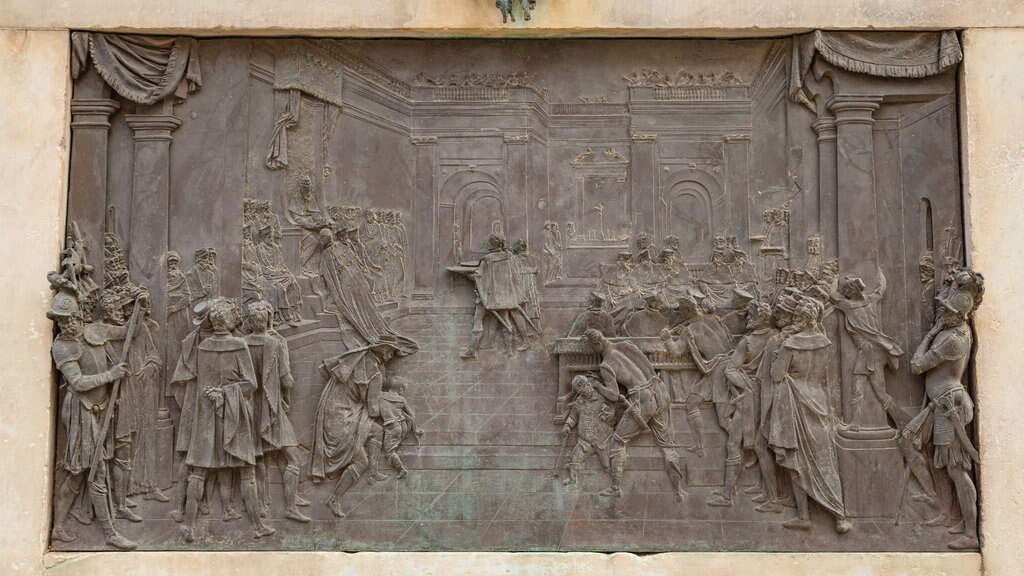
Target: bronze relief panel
610	295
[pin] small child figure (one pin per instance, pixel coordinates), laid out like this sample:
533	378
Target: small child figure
594	421
398	421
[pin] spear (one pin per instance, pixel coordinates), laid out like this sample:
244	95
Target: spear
108	415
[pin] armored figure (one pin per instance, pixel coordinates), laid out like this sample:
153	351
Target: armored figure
86	414
594	420
942	357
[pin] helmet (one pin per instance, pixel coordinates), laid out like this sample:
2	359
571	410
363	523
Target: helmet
960	301
64	305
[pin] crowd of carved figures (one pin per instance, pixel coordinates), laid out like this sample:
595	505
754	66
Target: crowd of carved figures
765	361
195	411
768	367
228	372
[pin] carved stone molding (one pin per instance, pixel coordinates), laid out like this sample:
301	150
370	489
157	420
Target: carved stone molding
92	112
517	138
423	140
637	137
825	128
854	109
152	127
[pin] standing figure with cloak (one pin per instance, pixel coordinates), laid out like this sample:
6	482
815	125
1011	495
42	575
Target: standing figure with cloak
497	295
217	433
802	419
178	322
272	428
348	417
145	400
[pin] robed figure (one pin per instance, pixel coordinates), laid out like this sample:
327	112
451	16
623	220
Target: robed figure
343	423
350	295
216	430
802	420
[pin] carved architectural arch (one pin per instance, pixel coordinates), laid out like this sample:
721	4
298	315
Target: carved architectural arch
687	210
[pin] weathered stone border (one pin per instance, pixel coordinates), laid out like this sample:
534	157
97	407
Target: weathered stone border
34	113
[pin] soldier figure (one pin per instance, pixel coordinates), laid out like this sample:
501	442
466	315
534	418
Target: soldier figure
647	406
86	414
594	420
942	357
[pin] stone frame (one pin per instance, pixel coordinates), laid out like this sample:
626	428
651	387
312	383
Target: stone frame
34	49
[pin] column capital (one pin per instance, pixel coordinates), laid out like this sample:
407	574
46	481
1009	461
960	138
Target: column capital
423	140
92	112
152	126
517	138
825	127
637	137
854	109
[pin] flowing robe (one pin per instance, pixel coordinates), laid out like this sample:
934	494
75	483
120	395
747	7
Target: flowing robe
802	420
283	290
342	423
350	295
220	437
874	349
178	321
272	428
140	404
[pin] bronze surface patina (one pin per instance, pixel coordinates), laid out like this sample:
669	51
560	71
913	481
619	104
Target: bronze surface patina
557	295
